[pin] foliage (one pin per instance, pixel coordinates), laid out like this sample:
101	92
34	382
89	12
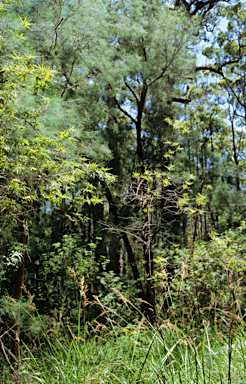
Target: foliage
38	173
138	353
60	274
213	276
154	93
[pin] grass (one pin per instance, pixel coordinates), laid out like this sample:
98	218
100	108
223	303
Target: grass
137	353
119	351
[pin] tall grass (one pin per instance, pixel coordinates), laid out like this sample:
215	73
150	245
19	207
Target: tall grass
123	352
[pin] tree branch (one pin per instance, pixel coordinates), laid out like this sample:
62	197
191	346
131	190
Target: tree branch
125	112
7	359
131	257
181	100
132	91
218	71
56	36
230	62
211	69
159	76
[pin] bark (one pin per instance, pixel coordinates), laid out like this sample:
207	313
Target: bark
21	269
137	122
141	104
196	217
18	292
149	269
235	157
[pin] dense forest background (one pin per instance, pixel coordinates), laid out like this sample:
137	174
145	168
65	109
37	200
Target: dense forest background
122	162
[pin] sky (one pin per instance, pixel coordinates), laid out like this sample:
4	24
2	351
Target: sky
201	59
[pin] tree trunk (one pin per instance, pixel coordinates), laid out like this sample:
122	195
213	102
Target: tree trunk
196	217
146	308
140	106
18	290
21	269
149	269
235	152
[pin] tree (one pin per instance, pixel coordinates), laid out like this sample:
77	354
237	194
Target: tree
225	72
34	167
198	7
120	70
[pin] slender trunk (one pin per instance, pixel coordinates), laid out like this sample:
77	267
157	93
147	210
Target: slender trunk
141	104
149	269
212	217
97	217
211	137
205	228
196	217
21	269
133	264
201	227
235	154
19	279
131	258
18	292
130	254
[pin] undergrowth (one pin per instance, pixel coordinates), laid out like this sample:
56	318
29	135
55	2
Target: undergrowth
114	350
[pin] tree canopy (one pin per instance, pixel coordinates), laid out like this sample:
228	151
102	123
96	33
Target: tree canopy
122	152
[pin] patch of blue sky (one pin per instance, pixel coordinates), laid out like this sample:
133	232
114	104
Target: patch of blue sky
222	27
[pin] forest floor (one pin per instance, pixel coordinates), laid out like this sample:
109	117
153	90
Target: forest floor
135	352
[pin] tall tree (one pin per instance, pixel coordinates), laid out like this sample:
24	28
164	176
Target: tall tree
34	167
151	56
